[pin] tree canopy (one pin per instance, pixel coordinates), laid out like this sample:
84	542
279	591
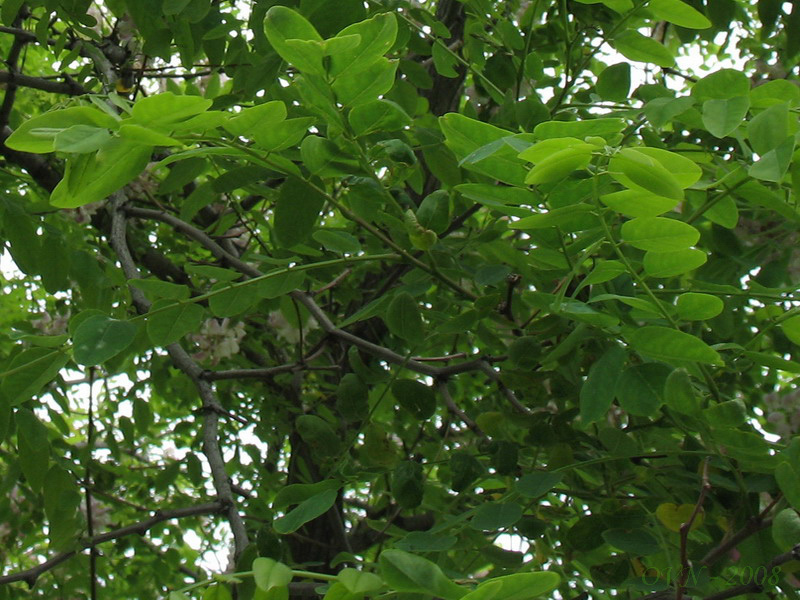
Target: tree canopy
477	299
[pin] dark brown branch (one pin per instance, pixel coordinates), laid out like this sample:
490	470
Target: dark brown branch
453	408
30	576
68	86
265	372
753	526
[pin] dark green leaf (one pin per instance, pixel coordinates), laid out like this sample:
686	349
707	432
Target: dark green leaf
100	338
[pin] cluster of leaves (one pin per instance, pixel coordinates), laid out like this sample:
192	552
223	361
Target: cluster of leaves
389	280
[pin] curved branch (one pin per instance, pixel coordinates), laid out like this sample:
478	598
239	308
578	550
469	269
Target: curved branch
182	360
30	576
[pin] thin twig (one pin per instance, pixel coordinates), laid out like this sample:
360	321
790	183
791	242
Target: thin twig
30	576
684	532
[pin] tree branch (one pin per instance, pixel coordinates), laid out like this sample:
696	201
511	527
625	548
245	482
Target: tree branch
68	86
182	360
752	587
30	576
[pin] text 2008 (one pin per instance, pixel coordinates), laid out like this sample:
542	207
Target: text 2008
733	575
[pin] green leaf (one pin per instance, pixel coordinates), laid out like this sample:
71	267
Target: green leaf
685	171
670	264
465	469
570	218
640	389
679	393
559	165
786	529
464	136
637	170
164	111
603	126
606	270
156	288
723	116
525	352
364	87
769	128
721	85
381	115
100	338
494	516
275	137
269	573
217	591
38	134
323	158
416	397
306	511
693	306
282	24
791	329
634	541
537	483
614	82
404	572
34	368
376	37
319	435
724	213
256	116
359	582
776	91
731	413
663	110
34	448
774	164
404	319
444	62
635	46
518	586
638	203
337	241
296	211
93	177
659	234
81	139
231	300
497	197
298	492
788	478
408	484
671	345
597	392
146	136
679	13
174	322
423	541
280	284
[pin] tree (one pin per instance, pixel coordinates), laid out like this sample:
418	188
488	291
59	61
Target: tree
349	290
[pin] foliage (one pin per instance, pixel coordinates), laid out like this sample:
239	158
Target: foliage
352	290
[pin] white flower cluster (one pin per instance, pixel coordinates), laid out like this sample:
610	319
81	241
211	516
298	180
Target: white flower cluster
217	339
47	324
783	412
286	330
